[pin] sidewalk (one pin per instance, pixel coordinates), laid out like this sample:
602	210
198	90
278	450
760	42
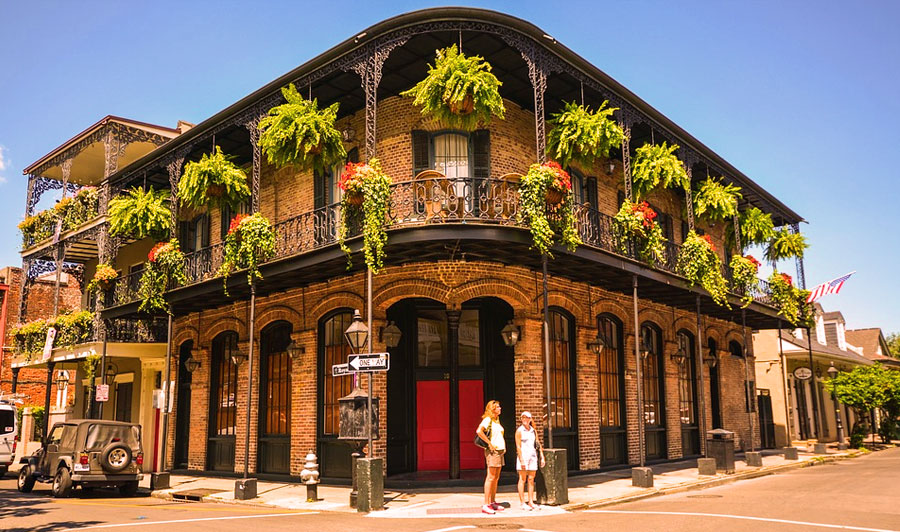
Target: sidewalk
585	491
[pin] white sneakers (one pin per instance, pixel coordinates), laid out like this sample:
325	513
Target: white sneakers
525	507
486	509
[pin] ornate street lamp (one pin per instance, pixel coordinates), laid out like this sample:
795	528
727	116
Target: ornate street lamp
391	335
357	333
294	350
832	373
646	344
191	364
238	358
598	344
510	334
712	357
679	355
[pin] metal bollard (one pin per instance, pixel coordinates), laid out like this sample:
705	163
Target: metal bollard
310	477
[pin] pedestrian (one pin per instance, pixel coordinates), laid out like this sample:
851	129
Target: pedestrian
528	451
490	431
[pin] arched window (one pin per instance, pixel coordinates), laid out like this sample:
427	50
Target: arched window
274	436
735	348
652	381
687	394
562	383
611	390
714	397
222	403
333	349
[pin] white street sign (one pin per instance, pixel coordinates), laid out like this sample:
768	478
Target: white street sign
102	393
369	362
339	370
802	373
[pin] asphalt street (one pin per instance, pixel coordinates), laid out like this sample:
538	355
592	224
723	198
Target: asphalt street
859	494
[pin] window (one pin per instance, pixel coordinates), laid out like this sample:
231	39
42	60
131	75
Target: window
734	347
336	350
227	214
224	385
456	155
578	188
451	155
432	348
651	375
194	235
134	276
686	389
610	372
561	368
469	352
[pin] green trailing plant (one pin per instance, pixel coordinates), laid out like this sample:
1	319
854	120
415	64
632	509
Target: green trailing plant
655	165
30	337
103	278
68	213
298	133
164	270
715	200
37	228
89	367
72	328
250	242
548	207
700	265
583	136
140	214
635	225
744	271
785	245
213	181
791	301
366	194
757	228
459	90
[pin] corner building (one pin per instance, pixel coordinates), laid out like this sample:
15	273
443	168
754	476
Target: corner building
458	269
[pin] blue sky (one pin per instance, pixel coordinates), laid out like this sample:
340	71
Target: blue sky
802	97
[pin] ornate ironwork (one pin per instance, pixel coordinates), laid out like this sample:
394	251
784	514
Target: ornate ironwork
801	273
625	124
39	185
174	167
736	222
252	126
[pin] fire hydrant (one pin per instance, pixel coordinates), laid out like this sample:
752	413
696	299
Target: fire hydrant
310	477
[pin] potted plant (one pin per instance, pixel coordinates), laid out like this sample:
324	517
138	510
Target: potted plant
654	165
103	278
700	265
548	206
583	136
37	228
459	90
213	180
744	271
250	241
715	200
635	224
299	133
140	214
81	208
791	301
784	245
165	269
756	228
367	193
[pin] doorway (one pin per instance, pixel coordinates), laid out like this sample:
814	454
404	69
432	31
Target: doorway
714	399
275	400
222	403
183	409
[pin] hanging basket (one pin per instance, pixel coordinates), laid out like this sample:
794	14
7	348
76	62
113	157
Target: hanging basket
215	191
553	196
354	198
467	106
105	284
315	150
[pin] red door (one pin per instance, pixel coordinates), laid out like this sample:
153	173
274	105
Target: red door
432	425
471	407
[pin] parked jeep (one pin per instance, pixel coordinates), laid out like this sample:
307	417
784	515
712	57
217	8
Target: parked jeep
90	453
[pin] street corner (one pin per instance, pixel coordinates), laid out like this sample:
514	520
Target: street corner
443	509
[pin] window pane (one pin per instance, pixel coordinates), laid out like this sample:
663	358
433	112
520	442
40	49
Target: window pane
451	155
333	388
650	379
609	374
469	354
432	327
560	371
686	389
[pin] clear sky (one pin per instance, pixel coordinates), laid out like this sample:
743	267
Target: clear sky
801	96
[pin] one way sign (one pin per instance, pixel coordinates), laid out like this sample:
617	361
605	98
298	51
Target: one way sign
369	362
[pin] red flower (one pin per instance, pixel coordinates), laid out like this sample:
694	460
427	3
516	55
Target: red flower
563	181
752	259
159	247
350	175
787	279
710	242
236	222
645	212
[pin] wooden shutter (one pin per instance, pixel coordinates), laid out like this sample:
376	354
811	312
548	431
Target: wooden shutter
421	160
184	237
226	215
481	153
668	228
591	191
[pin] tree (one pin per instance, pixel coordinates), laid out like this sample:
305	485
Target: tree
864	389
893	342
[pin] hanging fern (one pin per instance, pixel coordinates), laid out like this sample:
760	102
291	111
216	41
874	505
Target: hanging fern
699	264
459	90
140	214
786	245
756	226
298	133
715	200
213	181
655	165
583	136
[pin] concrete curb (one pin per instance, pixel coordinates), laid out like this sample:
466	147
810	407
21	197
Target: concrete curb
710	482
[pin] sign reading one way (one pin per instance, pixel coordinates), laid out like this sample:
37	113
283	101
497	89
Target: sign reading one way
369	362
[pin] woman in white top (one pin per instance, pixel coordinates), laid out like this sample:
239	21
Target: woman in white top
491	432
528	449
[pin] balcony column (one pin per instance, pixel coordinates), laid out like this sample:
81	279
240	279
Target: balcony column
252	126
689	160
174	167
736	221
66	173
60	256
701	381
29	195
625	122
801	274
537	73
48	385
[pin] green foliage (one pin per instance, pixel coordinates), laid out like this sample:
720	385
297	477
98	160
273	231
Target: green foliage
791	301
548	221
249	243
715	200
744	271
213	181
635	225
103	278
858	434
140	214
756	227
699	264
298	133
888	430
583	136
164	270
69	213
89	366
654	165
72	328
893	342
785	245
37	415
374	186
459	90
865	388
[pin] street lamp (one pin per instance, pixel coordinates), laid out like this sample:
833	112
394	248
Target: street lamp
294	350
712	357
679	355
832	373
191	364
598	344
238	358
510	334
357	333
646	343
111	371
391	335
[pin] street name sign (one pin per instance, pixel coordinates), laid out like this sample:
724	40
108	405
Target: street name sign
339	370
369	362
802	373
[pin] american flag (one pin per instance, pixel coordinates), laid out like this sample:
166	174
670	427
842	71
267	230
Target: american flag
831	287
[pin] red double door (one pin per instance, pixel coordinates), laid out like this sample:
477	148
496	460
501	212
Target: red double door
433	424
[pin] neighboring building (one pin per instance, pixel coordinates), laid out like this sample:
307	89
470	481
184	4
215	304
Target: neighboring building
458	270
813	414
871	344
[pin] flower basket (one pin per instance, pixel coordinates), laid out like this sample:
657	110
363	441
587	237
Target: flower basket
164	270
214	180
743	275
635	226
103	278
250	242
700	265
547	189
459	90
553	196
367	194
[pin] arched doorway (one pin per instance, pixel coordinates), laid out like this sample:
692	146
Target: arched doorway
687	395
611	391
447	365
183	410
563	383
715	401
274	429
334	455
654	393
222	403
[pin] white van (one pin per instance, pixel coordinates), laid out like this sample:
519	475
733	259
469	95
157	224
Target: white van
7	434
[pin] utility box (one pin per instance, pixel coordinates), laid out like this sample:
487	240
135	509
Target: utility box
354	422
720	445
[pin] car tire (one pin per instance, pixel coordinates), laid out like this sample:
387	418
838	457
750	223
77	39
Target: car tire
26	481
115	457
128	489
3	470
62	483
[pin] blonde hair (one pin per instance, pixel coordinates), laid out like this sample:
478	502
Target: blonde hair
489	409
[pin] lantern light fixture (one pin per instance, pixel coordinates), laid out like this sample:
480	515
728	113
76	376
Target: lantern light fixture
511	334
357	333
391	334
191	364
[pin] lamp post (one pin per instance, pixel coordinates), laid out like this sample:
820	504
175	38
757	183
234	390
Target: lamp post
832	373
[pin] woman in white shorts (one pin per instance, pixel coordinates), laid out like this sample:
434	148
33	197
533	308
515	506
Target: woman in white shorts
528	450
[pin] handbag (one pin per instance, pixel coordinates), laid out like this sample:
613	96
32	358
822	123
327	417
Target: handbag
481	443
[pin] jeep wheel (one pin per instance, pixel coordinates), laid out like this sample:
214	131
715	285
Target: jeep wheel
26	481
115	457
129	489
3	470
62	483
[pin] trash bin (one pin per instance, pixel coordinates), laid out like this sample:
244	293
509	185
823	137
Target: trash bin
720	445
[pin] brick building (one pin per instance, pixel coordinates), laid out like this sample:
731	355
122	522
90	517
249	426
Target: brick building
458	269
